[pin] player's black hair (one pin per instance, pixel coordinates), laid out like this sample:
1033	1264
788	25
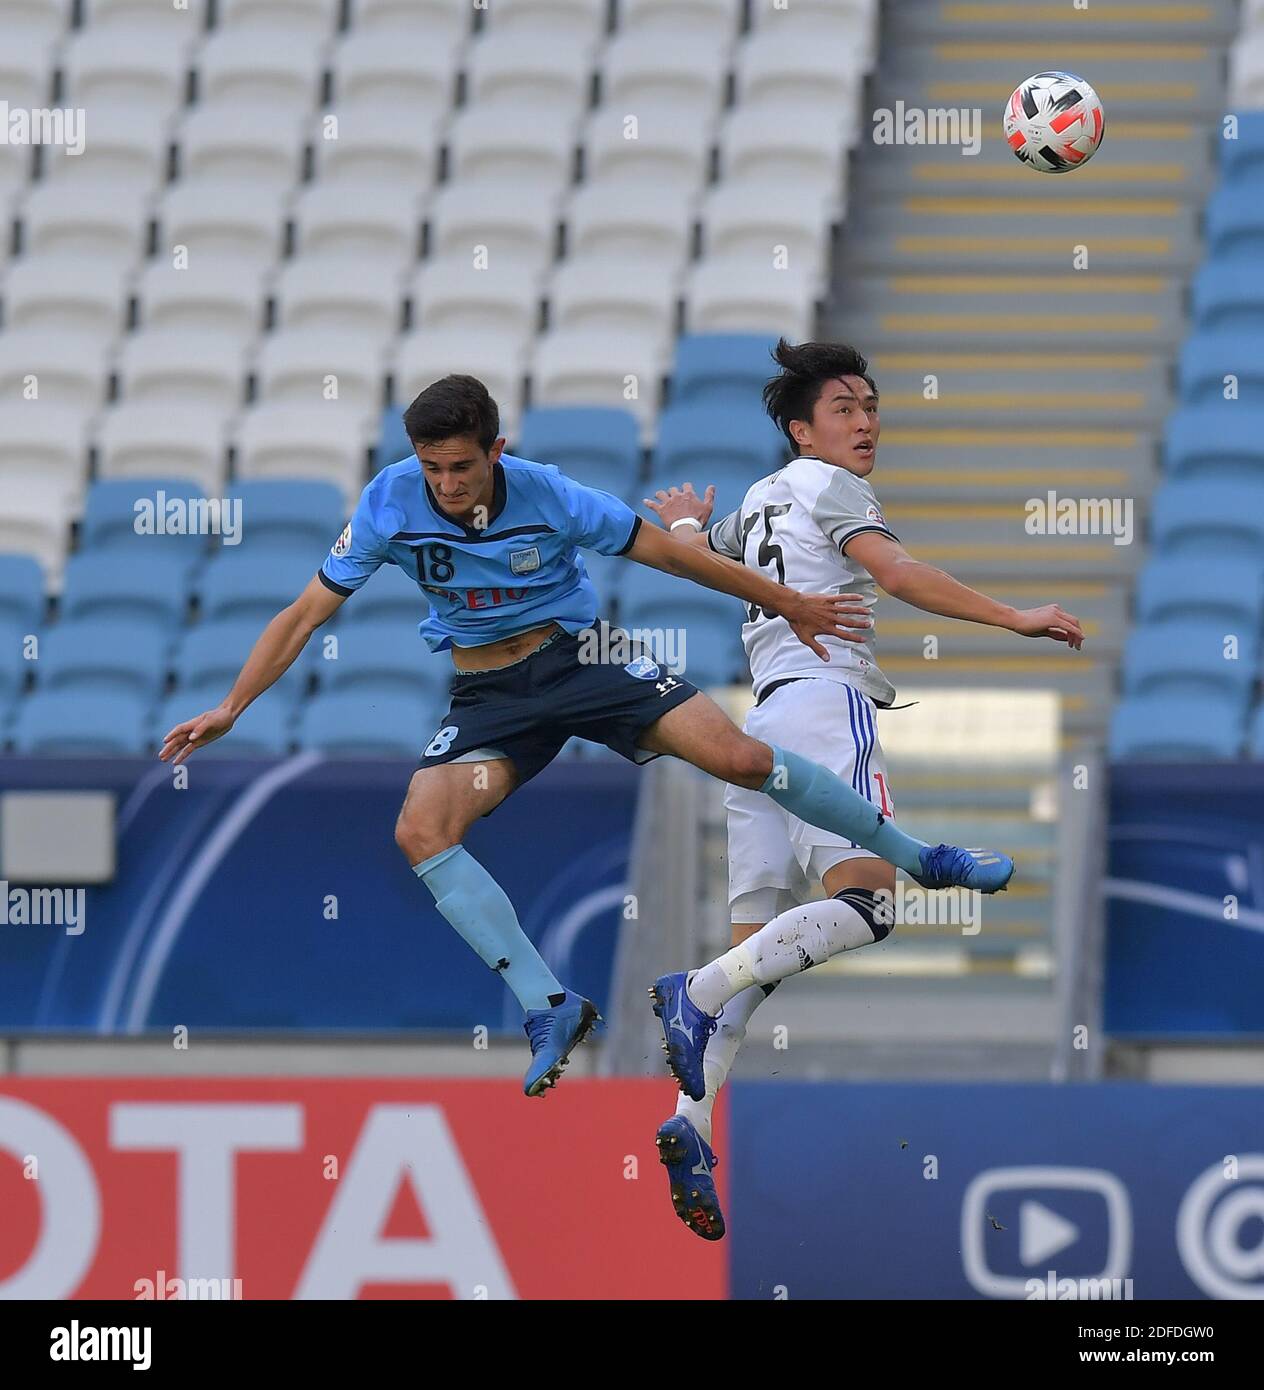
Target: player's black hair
453	406
805	368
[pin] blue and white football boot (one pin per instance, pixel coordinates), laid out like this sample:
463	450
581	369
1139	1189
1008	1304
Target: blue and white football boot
685	1032
554	1034
689	1162
946	866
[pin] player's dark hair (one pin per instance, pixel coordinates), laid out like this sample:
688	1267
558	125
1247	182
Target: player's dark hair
805	368
453	406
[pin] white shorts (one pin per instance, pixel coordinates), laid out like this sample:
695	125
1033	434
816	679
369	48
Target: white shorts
834	725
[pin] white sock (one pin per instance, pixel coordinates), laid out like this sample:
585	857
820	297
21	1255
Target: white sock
717	1060
798	939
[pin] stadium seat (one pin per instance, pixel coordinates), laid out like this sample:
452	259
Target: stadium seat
534	146
718	20
279	66
370	723
1242	160
214	294
393	443
312	19
1218	590
26	68
47	19
1224	440
257	146
339	294
145	19
139	440
372	68
1190	658
1255	740
748	217
210	655
14	667
387	595
252	584
81	723
47	441
639	69
109	65
220	219
1246	71
799	146
611	217
83	218
533	71
670	156
372	144
597	447
616	295
442	21
1234	224
710	622
1216	518
1224	299
64	293
145	588
301	367
513	218
290	514
105	655
744	294
719	444
322	443
21	592
127	150
849	25
263	730
182	366
35	521
607	573
380	656
586	18
715	368
779	70
1207	360
594	367
1161	729
116	506
70	368
495	358
450	292
377	226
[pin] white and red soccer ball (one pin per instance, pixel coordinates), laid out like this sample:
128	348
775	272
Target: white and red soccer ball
1054	122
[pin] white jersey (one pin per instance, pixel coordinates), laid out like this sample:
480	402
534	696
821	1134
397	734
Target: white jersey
792	526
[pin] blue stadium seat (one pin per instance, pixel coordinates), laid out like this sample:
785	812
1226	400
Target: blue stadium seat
1225	440
1255	739
210	655
370	723
265	730
21	591
1214	518
710	623
393	443
126	657
599	447
253	584
13	663
383	656
1220	590
729	447
1208	358
721	369
83	722
102	585
111	517
1242	160
607	573
1159	728
1225	299
1189	658
1234	225
390	593
297	514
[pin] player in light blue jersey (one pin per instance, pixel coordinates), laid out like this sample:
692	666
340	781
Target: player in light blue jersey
494	543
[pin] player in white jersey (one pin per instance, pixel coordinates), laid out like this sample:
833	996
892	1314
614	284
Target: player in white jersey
814	525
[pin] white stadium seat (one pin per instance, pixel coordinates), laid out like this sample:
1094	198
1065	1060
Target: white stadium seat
718	19
309	18
47	442
110	65
496	358
26	68
35	520
510	142
219	294
584	19
64	369
144	17
441	21
374	143
531	69
179	366
340	293
259	145
661	144
804	68
66	293
1246	71
752	218
513	219
303	367
799	152
147	440
218	218
688	72
742	294
373	68
81	217
47	19
1252	16
15	170
378	224
854	22
325	442
124	145
448	292
613	217
616	295
271	67
592	367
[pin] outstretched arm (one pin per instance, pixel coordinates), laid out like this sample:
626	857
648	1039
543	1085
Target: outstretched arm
929	588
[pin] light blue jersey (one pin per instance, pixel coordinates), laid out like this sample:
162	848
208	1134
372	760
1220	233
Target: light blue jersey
520	571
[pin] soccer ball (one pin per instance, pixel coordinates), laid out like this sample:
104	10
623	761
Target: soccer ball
1054	122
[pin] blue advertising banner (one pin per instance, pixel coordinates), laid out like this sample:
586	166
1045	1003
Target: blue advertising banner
996	1191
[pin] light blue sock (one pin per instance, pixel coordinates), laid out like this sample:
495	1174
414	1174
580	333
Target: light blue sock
822	798
476	905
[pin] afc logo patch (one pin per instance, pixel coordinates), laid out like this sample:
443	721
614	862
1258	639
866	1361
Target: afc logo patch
875	515
524	561
642	668
343	543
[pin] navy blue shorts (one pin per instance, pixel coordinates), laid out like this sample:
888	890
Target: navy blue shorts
527	711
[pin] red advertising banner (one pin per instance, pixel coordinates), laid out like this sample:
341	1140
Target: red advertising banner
121	1188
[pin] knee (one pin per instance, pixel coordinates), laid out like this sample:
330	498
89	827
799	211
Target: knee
749	763
421	833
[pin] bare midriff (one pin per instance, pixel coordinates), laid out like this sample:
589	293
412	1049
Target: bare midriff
502	653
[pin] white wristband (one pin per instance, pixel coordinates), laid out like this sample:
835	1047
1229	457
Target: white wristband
687	521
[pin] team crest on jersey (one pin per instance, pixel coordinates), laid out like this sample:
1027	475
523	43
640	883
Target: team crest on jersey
875	515
643	669
524	561
343	543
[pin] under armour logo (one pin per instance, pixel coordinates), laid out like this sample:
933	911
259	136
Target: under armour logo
665	685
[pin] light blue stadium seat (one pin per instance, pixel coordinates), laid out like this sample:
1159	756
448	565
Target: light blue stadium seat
21	591
1213	518
385	656
111	517
1255	740
370	723
1225	299
253	584
607	573
1208	358
296	514
13	663
86	722
126	657
1224	440
389	593
103	585
721	368
1220	590
210	656
599	447
1242	160
726	445
1234	225
1158	728
1190	658
264	730
393	443
710	623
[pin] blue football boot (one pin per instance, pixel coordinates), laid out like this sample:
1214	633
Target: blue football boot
685	1032
554	1033
689	1162
945	866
